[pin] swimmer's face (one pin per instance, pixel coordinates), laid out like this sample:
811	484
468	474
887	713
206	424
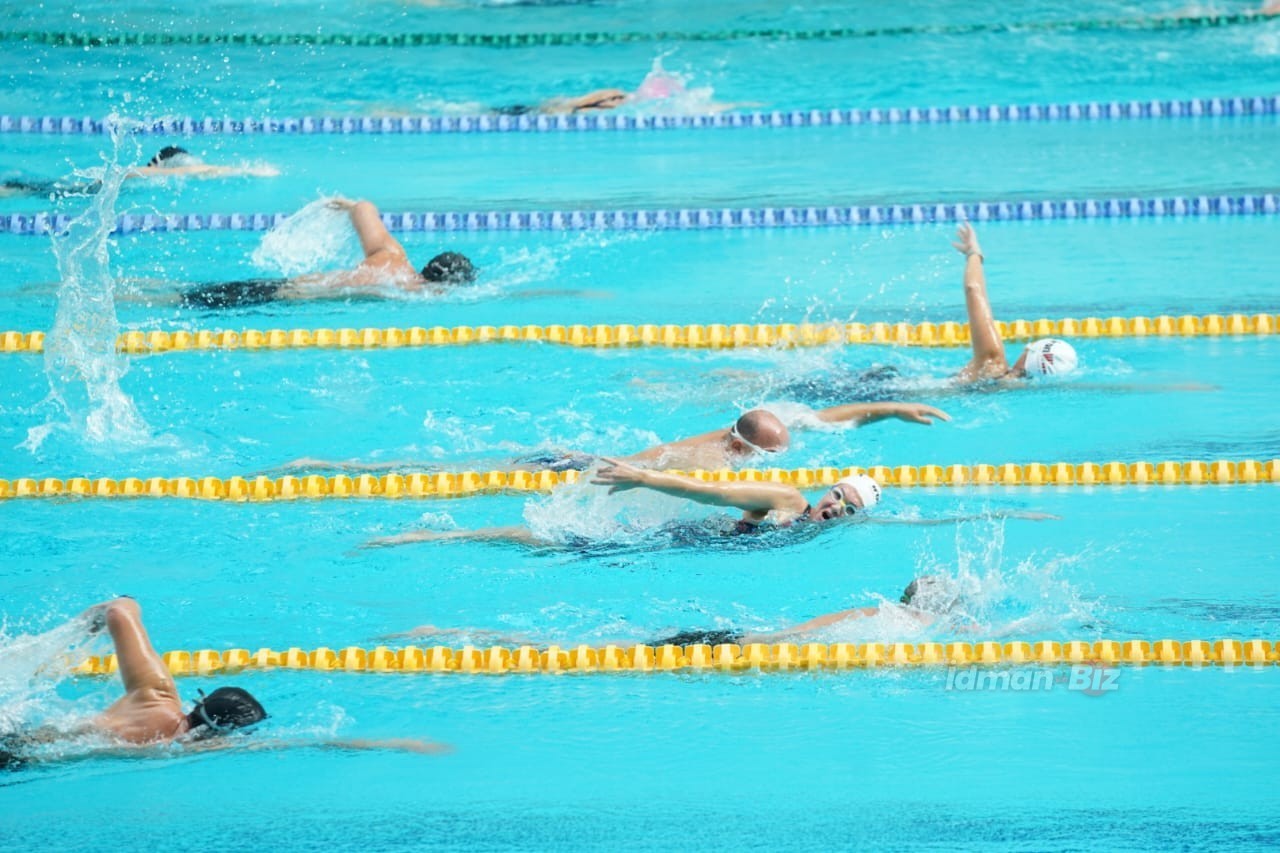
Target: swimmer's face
837	503
1019	367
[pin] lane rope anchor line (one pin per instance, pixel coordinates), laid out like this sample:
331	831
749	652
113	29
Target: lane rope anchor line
694	219
550	39
694	336
501	660
461	484
1214	107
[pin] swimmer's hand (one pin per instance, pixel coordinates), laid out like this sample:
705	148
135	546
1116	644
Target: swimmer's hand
339	202
263	171
95	618
966	241
919	413
619	476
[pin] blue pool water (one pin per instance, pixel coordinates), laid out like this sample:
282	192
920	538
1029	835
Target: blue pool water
1174	757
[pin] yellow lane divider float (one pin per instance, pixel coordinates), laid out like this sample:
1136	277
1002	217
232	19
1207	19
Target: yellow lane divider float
713	336
469	483
498	660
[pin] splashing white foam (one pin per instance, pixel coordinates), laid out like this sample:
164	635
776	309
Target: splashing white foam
978	593
314	238
31	668
81	362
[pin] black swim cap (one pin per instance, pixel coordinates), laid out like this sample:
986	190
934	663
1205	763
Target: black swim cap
225	709
167	152
449	268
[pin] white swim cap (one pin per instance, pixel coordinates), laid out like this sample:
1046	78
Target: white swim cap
864	487
1050	357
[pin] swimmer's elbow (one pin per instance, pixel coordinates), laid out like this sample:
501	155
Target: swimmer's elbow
124	604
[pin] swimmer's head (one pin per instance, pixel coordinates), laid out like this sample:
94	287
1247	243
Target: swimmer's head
224	710
848	497
758	431
1047	357
449	268
173	157
931	593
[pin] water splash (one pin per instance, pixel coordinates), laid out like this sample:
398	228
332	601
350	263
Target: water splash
81	361
981	592
664	92
585	513
31	668
313	238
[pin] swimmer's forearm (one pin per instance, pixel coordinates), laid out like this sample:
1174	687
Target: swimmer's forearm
983	333
818	622
515	533
749	496
424	747
859	413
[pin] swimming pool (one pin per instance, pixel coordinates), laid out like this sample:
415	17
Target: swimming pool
874	758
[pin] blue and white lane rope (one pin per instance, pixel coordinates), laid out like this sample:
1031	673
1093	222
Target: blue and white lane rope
701	218
530	123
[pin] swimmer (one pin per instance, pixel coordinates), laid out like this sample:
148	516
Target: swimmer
757	433
925	600
764	505
150	714
658	85
761	433
1045	357
171	161
385	267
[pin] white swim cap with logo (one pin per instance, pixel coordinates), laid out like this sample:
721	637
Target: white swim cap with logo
1050	357
867	489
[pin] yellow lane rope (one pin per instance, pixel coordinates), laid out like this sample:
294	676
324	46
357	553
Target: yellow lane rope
471	483
498	660
712	336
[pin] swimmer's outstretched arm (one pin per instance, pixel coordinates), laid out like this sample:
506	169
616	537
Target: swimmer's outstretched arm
814	624
204	170
749	496
860	414
515	534
988	349
307	463
424	747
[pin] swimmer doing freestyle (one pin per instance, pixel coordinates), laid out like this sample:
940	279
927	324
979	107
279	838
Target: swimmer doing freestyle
756	433
170	162
385	266
150	714
988	367
925	600
764	505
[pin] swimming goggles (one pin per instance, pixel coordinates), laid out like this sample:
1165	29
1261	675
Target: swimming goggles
206	719
751	445
850	508
216	727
